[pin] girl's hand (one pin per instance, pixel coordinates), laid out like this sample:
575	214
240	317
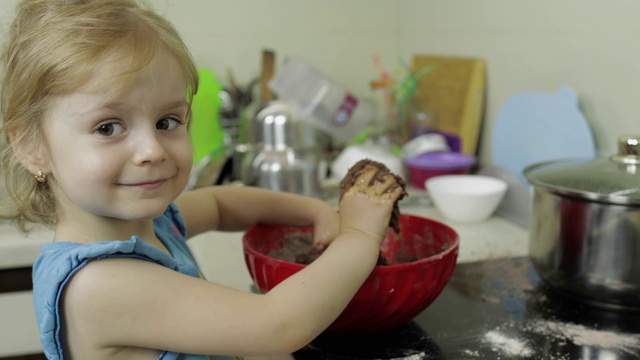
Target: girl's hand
326	227
366	206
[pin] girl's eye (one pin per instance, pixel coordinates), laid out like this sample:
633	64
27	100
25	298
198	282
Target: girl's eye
168	123
109	129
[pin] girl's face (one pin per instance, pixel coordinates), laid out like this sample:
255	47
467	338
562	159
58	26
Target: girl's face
122	154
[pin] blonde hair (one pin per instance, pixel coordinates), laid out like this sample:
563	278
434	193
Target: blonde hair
52	48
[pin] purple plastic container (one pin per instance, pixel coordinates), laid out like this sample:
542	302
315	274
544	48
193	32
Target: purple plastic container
424	166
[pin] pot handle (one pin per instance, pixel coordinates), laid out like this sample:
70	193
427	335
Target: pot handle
628	150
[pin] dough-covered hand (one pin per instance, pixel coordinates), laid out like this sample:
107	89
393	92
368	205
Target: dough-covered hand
326	228
369	197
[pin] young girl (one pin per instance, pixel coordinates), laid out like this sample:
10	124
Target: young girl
95	107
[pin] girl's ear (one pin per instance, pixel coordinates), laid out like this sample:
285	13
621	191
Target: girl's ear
31	153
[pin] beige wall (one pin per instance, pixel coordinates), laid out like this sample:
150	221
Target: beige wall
591	45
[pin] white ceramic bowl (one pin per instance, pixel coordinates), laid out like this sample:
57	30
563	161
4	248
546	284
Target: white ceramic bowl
466	198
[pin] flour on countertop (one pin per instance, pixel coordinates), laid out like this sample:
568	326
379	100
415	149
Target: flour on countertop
474	353
507	345
420	356
583	336
559	332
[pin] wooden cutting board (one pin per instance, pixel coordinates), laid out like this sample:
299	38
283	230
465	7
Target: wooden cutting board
267	71
454	94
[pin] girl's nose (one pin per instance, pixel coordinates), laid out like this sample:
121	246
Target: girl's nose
149	149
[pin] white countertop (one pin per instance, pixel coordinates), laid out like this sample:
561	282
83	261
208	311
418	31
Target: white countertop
18	250
220	255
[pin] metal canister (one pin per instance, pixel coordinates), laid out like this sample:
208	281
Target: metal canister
285	152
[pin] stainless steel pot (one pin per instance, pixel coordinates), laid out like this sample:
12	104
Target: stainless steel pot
585	226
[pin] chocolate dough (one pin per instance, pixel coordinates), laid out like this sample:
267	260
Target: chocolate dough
298	247
356	170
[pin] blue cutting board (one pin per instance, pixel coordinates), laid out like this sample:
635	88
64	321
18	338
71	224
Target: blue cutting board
533	127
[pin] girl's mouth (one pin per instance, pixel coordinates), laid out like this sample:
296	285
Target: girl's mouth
148	185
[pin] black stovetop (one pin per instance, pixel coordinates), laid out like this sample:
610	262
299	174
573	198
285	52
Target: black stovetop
497	309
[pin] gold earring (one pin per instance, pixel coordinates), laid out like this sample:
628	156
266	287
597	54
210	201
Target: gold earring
41	177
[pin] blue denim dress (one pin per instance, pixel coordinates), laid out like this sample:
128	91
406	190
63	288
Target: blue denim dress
58	261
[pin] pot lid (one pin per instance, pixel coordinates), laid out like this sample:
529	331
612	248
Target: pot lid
615	179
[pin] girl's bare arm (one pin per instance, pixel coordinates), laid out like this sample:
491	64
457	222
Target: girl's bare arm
236	208
131	303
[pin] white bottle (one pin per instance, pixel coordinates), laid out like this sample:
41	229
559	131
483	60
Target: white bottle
325	103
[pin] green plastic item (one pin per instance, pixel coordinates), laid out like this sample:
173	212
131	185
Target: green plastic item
207	135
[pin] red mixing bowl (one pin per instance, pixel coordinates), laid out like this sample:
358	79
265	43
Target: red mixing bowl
393	294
